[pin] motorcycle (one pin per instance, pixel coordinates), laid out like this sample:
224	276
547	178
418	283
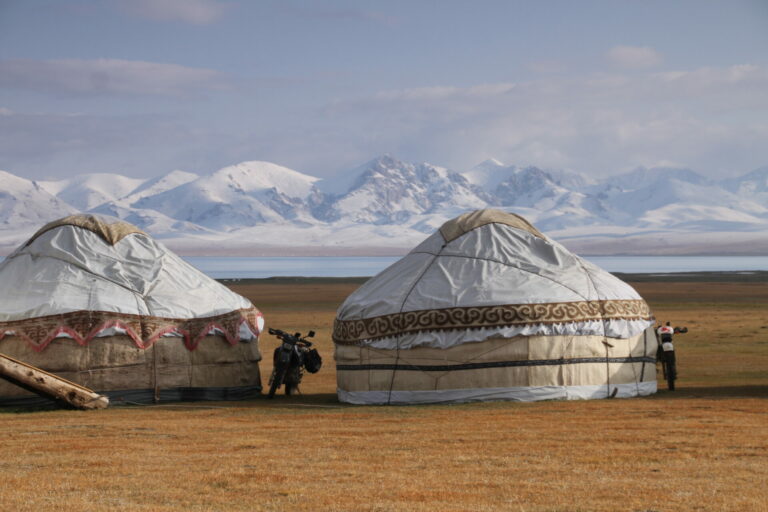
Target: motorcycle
291	358
666	356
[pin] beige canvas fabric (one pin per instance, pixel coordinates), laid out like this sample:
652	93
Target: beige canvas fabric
115	363
110	230
524	361
462	224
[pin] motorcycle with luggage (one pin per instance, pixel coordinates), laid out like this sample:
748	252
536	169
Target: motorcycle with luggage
294	355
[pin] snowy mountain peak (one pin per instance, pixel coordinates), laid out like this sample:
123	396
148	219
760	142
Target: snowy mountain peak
162	183
490	163
485	168
240	195
754	183
655	176
488	174
24	203
87	191
345	182
11	182
386	190
527	187
248	177
389	202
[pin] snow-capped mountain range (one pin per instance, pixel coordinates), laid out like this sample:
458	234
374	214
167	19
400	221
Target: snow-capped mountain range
387	206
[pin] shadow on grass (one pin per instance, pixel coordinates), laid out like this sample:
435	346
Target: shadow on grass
750	391
316	401
319	400
330	400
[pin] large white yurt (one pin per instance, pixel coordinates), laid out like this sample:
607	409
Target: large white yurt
96	301
489	308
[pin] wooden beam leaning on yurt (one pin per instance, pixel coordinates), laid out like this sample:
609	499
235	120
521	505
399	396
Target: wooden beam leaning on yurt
42	382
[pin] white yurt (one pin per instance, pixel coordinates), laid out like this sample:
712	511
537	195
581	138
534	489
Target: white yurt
489	308
96	301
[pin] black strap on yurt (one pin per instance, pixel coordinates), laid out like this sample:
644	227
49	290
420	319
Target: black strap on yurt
490	364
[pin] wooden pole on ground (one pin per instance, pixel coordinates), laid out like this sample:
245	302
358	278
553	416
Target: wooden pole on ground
50	385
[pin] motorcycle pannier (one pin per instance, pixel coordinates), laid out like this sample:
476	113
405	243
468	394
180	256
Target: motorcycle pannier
312	361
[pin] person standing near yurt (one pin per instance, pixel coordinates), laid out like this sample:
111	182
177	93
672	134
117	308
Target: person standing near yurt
95	300
490	308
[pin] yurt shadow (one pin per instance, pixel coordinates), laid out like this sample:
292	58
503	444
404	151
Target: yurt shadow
713	392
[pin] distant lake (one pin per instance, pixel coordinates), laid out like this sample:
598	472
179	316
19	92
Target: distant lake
261	267
236	267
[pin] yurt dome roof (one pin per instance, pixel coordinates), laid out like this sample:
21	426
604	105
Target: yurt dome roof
486	274
111	229
92	275
465	223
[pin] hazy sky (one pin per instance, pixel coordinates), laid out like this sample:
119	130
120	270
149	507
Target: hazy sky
143	87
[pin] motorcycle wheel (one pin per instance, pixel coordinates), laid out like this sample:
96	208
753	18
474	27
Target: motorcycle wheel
292	379
671	371
277	378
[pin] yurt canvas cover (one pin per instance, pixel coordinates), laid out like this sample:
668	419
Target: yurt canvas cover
100	303
490	308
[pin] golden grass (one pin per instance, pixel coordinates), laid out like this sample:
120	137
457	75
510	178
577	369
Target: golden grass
703	447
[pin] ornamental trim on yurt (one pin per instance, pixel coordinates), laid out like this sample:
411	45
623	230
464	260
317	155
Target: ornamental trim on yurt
144	330
356	331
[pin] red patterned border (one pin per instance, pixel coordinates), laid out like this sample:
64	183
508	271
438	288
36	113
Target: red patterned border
351	332
83	326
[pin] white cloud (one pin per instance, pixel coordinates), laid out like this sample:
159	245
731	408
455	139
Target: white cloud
47	145
711	119
634	57
5	111
196	12
107	76
714	120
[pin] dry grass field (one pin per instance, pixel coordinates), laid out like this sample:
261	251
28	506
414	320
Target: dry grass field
703	447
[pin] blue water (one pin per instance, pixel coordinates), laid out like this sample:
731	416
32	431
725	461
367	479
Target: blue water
234	268
664	264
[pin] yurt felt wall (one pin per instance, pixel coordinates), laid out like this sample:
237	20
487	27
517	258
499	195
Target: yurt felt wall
490	308
98	302
166	370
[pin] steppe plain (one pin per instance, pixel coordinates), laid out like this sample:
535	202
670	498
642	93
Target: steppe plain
703	447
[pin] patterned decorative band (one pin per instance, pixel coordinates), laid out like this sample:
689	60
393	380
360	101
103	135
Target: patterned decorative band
352	332
83	326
